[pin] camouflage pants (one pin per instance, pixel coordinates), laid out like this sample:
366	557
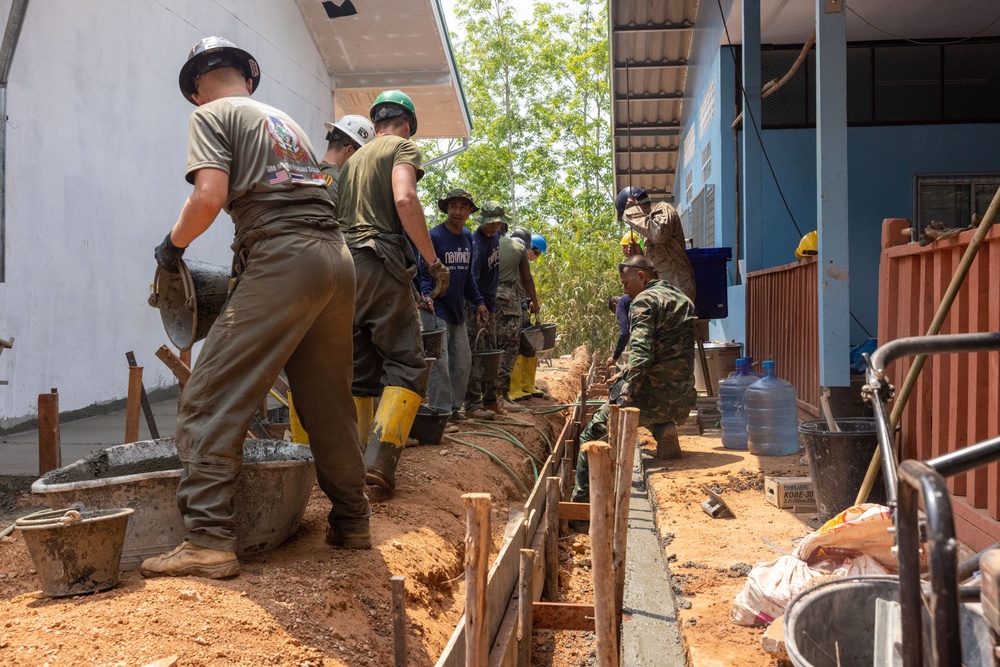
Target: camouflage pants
597	429
477	395
508	319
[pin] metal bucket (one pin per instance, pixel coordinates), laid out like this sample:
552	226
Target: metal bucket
433	343
548	336
429	424
190	300
270	498
76	550
532	338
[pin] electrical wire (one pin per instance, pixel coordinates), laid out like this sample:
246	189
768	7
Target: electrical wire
917	41
760	139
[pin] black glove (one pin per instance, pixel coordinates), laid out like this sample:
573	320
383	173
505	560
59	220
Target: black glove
167	255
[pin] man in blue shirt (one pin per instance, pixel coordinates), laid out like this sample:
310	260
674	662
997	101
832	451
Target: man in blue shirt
453	246
480	400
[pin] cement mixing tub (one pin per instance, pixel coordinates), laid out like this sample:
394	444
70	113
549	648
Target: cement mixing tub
75	550
832	624
270	498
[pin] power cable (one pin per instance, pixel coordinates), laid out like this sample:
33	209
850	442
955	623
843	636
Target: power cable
917	41
760	140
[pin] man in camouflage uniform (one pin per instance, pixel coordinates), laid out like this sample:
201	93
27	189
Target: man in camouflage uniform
515	283
657	378
661	227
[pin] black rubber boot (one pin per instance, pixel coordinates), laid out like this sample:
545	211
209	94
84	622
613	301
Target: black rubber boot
381	459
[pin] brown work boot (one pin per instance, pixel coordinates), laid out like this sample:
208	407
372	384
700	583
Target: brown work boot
480	413
668	446
192	560
355	536
495	409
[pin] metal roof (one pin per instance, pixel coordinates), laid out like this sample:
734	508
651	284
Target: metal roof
387	44
650	45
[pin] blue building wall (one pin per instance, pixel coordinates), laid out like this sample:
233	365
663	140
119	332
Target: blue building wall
882	162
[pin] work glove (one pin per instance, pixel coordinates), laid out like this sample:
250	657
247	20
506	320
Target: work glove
168	255
441	277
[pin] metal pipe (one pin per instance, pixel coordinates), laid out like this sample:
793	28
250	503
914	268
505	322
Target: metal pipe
888	458
15	20
450	154
924	345
967	458
921	482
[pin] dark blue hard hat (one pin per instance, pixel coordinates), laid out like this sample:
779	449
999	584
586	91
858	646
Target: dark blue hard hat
638	194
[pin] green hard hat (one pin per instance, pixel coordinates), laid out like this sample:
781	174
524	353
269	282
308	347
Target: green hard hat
391	103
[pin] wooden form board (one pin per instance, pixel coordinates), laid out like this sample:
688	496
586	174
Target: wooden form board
504	573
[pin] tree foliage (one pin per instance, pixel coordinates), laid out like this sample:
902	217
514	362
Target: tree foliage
538	92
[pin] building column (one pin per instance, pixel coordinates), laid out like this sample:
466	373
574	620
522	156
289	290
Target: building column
831	202
751	198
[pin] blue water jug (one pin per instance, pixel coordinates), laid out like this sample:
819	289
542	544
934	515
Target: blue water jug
750	369
732	404
772	415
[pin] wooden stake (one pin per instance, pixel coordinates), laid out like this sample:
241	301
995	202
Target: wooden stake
565	489
49	446
623	495
525	602
614	437
477	560
398	585
602	556
133	404
147	410
551	588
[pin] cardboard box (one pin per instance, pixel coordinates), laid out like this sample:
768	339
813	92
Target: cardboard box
789	491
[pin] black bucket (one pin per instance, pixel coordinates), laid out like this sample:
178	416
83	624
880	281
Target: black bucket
486	366
429	424
532	339
433	343
838	463
548	336
190	300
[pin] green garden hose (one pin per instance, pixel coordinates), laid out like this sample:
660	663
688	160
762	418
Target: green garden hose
503	435
496	459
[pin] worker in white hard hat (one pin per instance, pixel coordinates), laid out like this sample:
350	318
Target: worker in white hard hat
343	139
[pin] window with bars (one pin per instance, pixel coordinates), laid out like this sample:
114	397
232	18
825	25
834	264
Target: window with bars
952	199
893	83
699	221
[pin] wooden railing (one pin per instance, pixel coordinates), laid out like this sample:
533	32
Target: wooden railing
782	324
956	401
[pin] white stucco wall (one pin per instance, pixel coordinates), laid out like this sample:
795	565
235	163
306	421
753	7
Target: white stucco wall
95	163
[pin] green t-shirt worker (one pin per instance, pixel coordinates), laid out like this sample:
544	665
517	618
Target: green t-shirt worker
378	204
290	308
343	139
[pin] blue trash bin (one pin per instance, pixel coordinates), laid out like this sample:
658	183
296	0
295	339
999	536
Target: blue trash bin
709	264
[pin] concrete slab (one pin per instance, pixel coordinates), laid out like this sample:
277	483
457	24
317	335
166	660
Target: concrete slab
649	634
19	451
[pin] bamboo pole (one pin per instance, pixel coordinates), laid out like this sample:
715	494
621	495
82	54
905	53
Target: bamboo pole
602	557
623	496
525	602
398	585
477	560
49	446
939	317
133	404
552	494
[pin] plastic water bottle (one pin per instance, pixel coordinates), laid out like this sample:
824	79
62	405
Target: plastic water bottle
772	415
733	406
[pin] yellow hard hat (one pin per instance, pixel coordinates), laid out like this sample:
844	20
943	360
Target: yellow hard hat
630	237
807	246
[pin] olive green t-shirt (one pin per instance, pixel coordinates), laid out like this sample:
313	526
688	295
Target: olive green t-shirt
366	203
273	176
512	254
331	174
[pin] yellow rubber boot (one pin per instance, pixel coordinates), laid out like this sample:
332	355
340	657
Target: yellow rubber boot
515	393
365	407
390	427
299	434
528	377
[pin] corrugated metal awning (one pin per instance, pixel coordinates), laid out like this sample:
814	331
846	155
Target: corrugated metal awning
650	45
387	44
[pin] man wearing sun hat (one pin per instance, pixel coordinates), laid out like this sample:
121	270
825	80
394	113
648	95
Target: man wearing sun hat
453	246
480	399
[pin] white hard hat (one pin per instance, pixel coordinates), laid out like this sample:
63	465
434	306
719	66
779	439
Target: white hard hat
358	128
